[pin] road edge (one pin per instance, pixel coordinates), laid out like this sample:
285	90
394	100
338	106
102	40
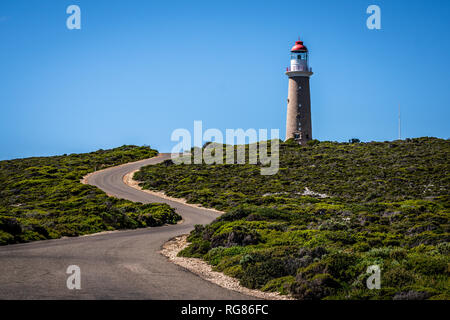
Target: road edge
199	267
129	181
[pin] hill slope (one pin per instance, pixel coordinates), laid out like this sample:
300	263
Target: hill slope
331	211
42	197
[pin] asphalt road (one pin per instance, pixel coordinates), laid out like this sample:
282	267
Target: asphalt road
117	265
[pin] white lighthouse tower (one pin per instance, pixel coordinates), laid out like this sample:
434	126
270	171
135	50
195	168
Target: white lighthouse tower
298	122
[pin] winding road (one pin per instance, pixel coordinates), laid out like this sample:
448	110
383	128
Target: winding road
114	265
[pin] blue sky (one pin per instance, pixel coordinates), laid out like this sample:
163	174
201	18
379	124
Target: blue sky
137	70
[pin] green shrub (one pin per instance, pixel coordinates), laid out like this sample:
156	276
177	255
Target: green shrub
397	277
256	275
281	285
428	264
316	287
6	238
196	249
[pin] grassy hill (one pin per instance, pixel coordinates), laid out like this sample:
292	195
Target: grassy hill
42	197
332	210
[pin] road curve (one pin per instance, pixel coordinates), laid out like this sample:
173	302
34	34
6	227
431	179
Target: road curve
116	265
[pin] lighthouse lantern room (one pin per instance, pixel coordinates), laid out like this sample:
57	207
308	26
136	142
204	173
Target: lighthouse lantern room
299	57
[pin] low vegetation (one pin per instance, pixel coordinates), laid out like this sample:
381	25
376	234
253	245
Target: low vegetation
331	211
42	197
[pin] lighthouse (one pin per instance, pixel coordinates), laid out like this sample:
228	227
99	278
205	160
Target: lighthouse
298	122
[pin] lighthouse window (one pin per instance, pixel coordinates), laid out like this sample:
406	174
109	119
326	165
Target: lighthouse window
299	57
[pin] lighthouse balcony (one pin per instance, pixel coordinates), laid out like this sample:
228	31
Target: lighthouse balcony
298	68
299	72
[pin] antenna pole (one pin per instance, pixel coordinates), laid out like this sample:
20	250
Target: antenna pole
399	124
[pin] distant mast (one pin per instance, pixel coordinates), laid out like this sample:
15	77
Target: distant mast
399	124
298	120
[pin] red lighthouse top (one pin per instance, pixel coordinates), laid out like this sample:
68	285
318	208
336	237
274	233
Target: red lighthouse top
299	47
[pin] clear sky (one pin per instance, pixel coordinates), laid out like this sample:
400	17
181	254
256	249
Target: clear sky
137	70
